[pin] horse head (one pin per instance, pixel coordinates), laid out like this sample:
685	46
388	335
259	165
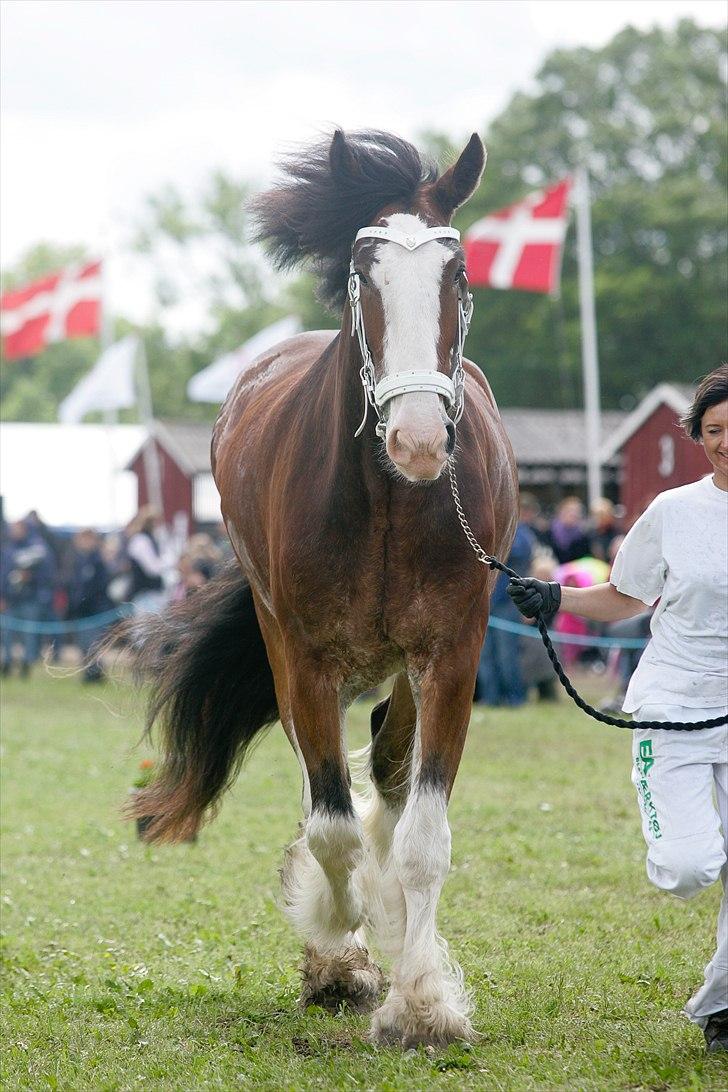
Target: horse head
411	298
373	217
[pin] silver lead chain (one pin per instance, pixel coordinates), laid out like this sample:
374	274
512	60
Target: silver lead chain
480	553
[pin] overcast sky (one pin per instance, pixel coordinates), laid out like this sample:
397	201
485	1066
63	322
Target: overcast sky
106	100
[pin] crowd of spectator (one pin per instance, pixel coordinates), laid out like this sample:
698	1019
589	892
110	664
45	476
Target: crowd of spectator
573	547
82	580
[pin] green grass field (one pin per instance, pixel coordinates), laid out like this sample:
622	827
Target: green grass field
130	967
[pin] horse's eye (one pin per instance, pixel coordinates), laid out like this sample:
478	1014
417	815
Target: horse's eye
459	273
363	279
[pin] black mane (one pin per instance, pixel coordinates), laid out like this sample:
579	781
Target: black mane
313	214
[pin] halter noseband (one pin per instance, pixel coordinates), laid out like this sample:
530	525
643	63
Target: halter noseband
378	394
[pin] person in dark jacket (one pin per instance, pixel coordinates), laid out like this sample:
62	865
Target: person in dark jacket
150	560
88	598
28	583
500	676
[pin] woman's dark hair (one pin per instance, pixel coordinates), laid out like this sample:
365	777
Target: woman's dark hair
712	390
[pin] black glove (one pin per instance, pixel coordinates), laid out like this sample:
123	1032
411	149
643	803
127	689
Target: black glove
533	596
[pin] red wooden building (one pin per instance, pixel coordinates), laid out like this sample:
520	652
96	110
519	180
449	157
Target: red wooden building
642	454
549	446
188	489
655	452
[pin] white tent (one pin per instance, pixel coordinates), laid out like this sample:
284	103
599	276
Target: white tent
73	475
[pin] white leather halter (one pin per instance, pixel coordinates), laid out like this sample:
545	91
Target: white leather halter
376	395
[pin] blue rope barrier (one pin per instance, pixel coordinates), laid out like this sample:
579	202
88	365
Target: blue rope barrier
588	640
97	621
94	621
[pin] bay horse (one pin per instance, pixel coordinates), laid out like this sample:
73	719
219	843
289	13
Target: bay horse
351	568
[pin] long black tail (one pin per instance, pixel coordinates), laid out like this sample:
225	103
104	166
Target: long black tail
212	692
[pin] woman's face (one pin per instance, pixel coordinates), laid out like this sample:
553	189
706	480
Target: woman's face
714	434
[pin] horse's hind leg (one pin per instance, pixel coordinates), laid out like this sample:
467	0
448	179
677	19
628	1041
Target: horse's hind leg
393	732
427	1002
320	884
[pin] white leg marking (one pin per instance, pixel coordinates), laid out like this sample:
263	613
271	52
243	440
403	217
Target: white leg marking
427	1001
322	899
384	904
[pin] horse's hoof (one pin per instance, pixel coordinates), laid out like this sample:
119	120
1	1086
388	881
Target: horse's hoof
348	978
410	1021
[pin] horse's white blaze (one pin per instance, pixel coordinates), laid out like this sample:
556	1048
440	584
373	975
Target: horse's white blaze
409	284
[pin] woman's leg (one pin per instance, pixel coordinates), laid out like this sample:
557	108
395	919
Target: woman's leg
675	774
713	994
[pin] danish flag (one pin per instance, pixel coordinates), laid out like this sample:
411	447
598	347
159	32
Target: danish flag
62	305
520	246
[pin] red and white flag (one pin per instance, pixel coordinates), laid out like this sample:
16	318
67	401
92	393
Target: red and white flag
62	305
520	246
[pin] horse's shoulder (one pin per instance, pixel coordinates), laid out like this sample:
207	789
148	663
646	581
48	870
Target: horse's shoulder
270	373
299	350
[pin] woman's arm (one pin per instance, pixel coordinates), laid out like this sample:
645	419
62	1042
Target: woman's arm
600	603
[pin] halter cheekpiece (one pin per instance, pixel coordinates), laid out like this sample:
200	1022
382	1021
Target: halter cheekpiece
376	395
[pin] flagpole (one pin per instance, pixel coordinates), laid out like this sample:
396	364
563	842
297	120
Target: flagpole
106	330
589	351
152	468
110	416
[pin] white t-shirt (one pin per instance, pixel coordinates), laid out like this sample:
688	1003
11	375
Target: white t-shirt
677	552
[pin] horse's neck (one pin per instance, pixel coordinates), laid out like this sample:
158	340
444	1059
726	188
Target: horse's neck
338	402
332	407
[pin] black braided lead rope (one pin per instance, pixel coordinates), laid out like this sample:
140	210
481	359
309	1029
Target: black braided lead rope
603	718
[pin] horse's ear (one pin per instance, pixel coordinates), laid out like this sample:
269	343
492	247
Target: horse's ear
342	159
461	180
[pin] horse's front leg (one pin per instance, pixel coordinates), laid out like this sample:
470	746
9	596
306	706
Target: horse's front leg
319	874
427	1001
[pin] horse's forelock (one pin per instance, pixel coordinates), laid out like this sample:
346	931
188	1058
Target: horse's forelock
328	191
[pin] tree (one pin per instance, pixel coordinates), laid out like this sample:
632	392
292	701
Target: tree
645	115
203	250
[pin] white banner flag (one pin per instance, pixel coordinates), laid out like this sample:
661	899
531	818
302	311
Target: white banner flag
213	383
109	385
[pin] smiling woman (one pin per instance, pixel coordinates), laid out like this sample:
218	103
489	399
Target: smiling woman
676	556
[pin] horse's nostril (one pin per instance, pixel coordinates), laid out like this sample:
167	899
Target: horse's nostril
451	432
